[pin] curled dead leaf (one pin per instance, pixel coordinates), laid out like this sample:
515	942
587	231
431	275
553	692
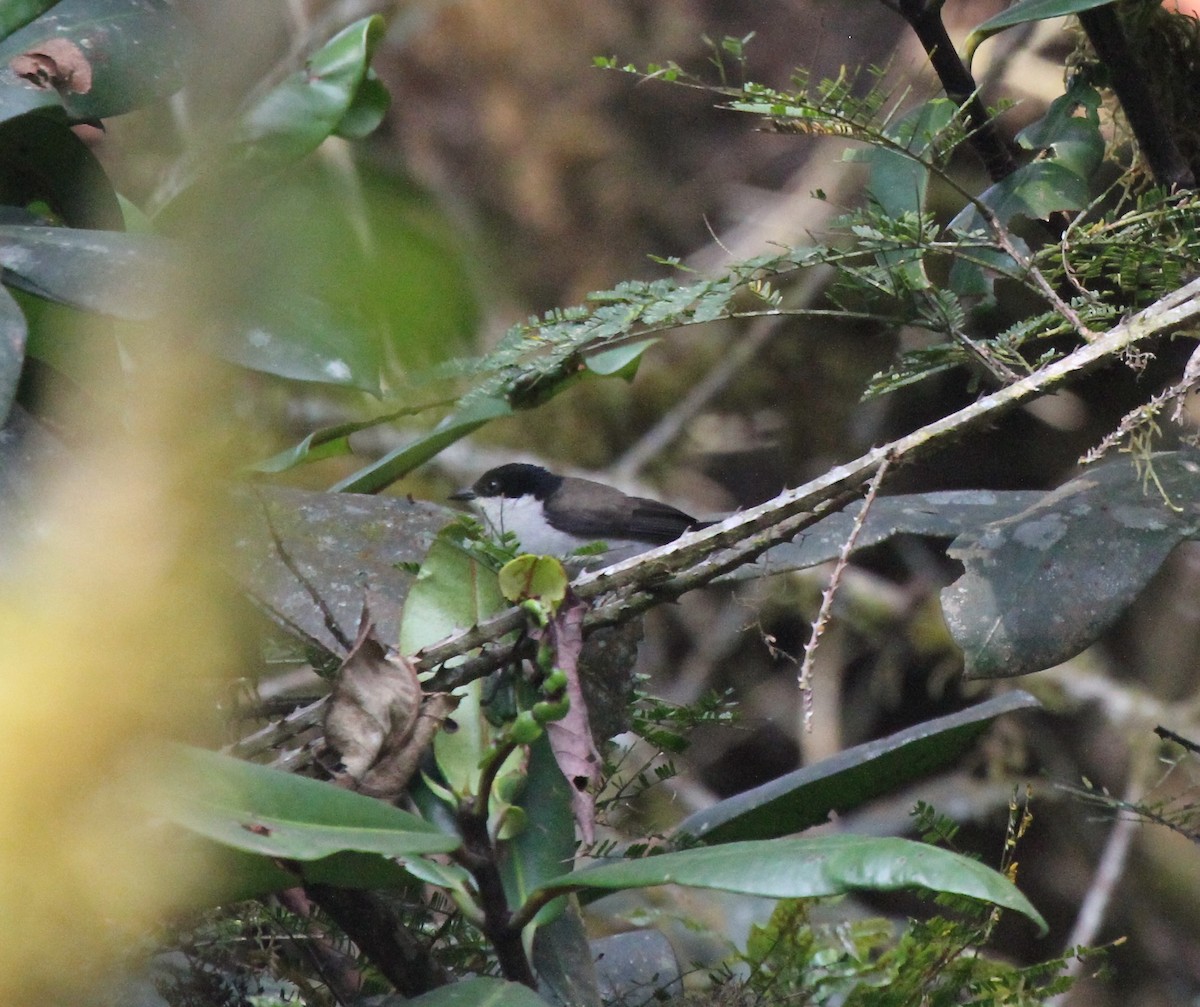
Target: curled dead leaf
58	63
378	721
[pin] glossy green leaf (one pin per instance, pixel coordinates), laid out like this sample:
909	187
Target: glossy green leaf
810	868
540	577
1022	12
136	52
13	332
276	814
453	590
479	992
620	360
1043	584
298	115
42	161
398	463
307	339
808	796
546	846
17	13
367	109
129	276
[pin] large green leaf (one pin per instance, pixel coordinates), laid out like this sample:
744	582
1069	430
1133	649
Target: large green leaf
16	13
129	276
297	116
396	464
13	332
480	992
107	57
305	338
1043	584
276	814
545	847
1024	11
810	868
282	127
42	161
808	796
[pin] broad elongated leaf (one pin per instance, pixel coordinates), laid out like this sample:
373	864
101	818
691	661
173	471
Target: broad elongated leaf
310	105
16	13
544	848
284	125
1024	11
480	992
12	350
124	275
807	797
94	58
1043	584
306	339
400	462
42	161
276	814
943	514
810	868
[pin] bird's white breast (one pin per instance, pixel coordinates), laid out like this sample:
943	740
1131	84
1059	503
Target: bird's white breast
525	518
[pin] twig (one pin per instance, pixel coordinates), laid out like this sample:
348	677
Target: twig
925	19
1110	867
698	558
804	675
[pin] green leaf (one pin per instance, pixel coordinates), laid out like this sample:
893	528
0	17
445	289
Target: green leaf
1043	584
129	276
13	332
1022	12
546	846
810	868
135	51
453	590
480	992
298	115
400	462
367	109
43	161
540	577
307	339
16	13
276	814
620	360
283	126
808	796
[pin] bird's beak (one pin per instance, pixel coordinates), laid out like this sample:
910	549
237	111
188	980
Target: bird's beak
465	495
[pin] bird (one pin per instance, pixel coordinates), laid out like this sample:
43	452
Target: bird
557	515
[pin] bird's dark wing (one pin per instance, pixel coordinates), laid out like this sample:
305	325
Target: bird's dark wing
640	519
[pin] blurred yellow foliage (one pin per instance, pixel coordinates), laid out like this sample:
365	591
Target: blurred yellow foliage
114	629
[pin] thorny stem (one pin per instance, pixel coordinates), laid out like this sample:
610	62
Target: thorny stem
804	675
701	557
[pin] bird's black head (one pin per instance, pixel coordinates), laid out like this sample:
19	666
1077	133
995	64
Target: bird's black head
517	480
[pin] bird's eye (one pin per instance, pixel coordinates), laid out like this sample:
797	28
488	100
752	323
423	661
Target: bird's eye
491	487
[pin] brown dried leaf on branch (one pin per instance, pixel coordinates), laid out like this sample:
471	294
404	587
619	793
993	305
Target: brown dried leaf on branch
379	722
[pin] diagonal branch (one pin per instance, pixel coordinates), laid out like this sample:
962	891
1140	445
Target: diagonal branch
698	558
